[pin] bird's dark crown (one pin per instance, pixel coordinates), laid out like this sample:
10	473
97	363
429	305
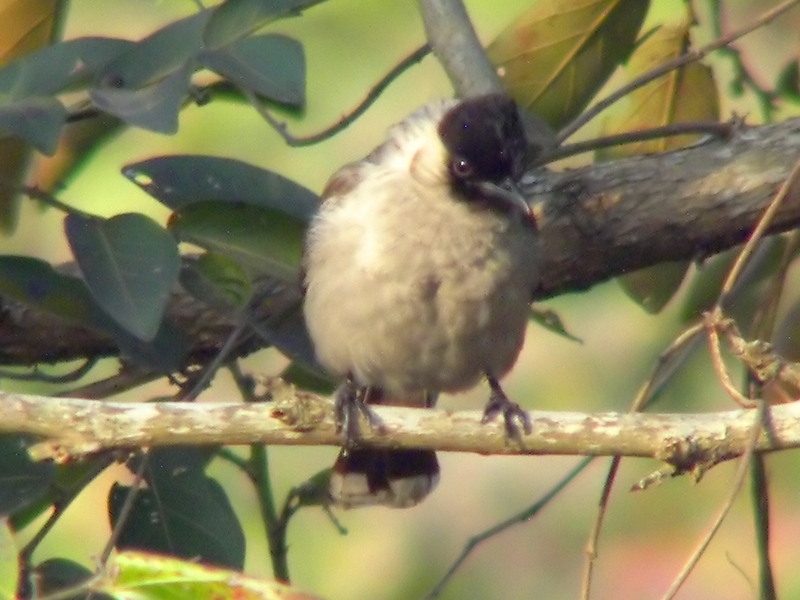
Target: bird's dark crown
485	139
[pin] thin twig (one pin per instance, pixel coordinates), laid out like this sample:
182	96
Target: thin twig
37	375
712	128
741	474
676	63
711	319
521	517
666	366
373	94
594	535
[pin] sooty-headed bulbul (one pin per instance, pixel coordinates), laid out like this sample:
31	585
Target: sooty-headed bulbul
419	270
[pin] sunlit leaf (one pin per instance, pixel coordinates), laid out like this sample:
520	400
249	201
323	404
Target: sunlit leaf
263	241
27	25
180	180
154	577
234	19
272	66
555	57
682	95
9	563
130	265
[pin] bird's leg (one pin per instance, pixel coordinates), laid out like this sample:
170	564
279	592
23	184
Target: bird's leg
350	401
499	402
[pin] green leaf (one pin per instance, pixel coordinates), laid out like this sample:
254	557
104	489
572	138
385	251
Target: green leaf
217	280
57	574
234	19
35	283
653	287
22	481
38	121
180	180
182	512
9	563
680	96
265	242
308	379
154	107
550	320
788	82
272	66
157	56
59	66
145	576
130	265
556	56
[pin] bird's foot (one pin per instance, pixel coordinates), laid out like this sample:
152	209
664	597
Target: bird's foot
350	402
512	413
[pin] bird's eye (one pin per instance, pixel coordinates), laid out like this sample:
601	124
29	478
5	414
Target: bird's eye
462	168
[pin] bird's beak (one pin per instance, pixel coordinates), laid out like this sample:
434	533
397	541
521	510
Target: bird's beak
509	197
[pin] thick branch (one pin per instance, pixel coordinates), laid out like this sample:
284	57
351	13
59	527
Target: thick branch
595	223
73	426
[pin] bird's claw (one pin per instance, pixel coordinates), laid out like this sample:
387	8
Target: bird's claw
513	415
350	403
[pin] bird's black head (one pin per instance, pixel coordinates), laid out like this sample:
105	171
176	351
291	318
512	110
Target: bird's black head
488	152
485	139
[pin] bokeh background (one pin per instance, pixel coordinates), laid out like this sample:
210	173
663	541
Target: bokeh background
400	554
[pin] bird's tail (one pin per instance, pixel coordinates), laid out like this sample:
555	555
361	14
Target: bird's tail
377	476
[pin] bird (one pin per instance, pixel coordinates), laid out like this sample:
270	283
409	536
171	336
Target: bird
419	269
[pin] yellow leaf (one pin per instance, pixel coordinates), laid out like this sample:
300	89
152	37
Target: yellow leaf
558	54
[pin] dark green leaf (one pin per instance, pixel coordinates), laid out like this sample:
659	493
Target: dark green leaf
308	379
52	69
234	19
154	107
180	180
217	280
266	242
38	121
34	282
157	56
130	265
9	563
788	83
271	65
57	574
550	320
182	512
653	287
22	481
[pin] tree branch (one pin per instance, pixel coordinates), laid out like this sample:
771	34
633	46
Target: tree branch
72	427
595	223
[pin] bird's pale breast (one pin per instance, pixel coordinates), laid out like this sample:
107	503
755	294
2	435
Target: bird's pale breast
411	294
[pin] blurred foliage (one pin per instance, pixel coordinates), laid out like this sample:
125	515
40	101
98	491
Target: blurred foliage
99	103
